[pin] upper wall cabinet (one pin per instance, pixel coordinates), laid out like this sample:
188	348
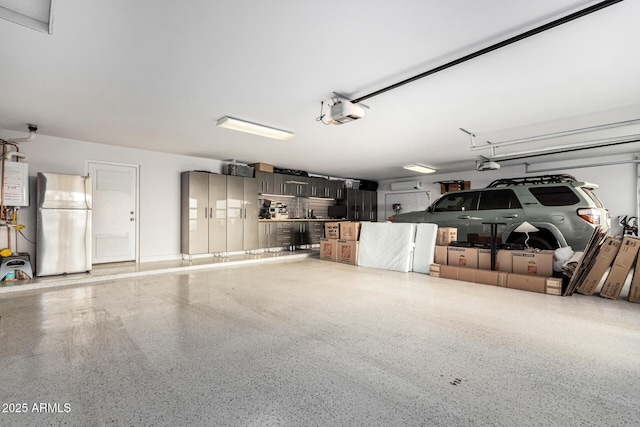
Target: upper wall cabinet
265	183
299	186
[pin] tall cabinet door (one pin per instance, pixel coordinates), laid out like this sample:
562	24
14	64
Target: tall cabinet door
366	205
250	214
235	213
194	210
217	213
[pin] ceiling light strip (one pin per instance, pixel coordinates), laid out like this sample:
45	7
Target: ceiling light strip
254	128
419	168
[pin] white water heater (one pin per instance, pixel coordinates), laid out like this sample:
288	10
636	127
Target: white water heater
16	183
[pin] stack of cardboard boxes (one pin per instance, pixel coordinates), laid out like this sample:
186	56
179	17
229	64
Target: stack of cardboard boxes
340	243
525	270
619	257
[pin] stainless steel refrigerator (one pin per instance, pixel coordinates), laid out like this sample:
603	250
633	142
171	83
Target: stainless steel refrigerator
64	224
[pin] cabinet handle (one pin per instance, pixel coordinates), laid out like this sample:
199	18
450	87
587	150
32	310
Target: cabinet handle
205	213
211	213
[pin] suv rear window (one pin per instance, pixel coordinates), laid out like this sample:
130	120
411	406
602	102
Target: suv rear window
555	196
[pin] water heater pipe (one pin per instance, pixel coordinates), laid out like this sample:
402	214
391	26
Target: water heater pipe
32	134
12	154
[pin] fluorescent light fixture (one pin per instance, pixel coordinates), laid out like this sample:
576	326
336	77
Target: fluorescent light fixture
254	128
419	168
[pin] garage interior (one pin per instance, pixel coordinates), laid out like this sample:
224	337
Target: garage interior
475	91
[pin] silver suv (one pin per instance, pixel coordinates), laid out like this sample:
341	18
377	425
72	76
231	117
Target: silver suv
564	210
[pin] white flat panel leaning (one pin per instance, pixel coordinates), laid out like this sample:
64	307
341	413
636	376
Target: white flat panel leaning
425	248
387	246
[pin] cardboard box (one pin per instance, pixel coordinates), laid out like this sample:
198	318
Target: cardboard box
434	270
446	235
527	282
604	258
448	186
350	230
504	260
462	257
485	277
262	167
535	263
502	279
523	282
466	274
625	259
554	286
449	272
332	230
348	252
329	249
634	290
440	255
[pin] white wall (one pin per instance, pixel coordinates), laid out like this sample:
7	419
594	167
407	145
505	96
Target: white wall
159	216
617	182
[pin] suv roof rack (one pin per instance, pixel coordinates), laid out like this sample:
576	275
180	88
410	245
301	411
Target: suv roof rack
532	180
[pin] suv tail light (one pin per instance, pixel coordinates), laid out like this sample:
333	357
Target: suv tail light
592	216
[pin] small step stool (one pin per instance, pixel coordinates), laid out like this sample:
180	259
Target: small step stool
19	261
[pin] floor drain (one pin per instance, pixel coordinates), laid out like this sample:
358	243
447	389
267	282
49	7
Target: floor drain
456	381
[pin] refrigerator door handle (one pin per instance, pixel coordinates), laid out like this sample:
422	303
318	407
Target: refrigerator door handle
88	191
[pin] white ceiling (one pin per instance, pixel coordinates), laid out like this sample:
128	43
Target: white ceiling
158	74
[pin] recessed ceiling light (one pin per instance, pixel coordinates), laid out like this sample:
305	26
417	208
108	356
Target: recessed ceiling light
419	168
254	128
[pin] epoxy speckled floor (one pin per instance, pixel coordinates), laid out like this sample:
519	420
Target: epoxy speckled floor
310	342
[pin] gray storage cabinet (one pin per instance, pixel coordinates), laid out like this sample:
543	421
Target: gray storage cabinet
203	212
268	235
242	213
362	205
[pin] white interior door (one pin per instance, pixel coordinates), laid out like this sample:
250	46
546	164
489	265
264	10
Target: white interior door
115	202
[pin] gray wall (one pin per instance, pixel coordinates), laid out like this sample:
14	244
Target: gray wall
159	215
